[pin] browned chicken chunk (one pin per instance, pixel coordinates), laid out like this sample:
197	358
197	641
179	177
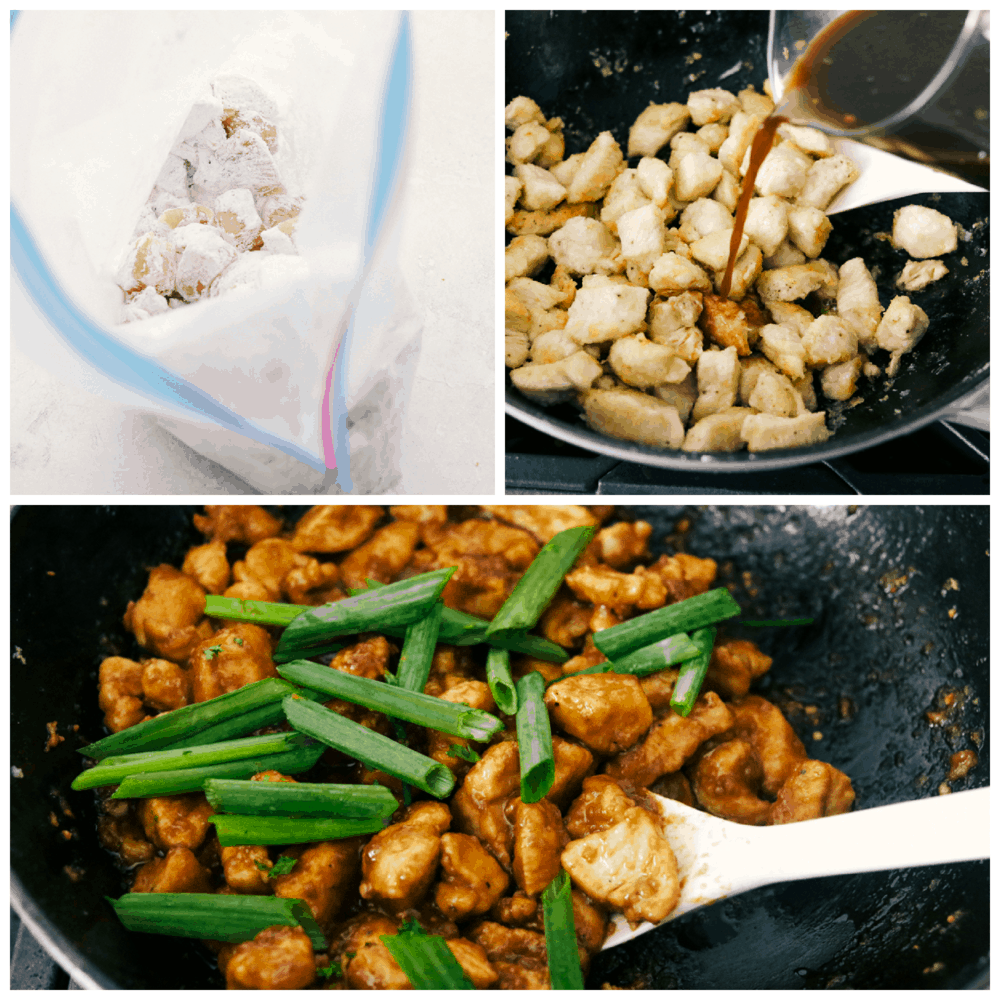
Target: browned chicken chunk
518	955
472	881
278	958
367	963
606	712
735	665
813	789
325	876
338	528
475	964
169	618
539	837
246	869
176	820
208	565
383	556
478	805
623	544
642	590
179	871
233	657
600	805
475	694
237	523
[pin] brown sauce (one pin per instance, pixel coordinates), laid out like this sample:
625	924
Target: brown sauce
802	87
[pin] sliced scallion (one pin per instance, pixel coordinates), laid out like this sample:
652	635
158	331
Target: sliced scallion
500	681
534	738
657	656
258	612
540	581
418	650
214	917
413	706
425	959
370	748
692	673
393	605
560	935
234	830
285	798
684	616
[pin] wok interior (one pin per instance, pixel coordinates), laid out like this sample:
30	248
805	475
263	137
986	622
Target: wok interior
597	70
890	654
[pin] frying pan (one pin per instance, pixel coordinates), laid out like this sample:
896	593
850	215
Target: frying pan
882	651
597	70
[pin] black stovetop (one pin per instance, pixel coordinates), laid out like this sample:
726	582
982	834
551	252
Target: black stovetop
942	459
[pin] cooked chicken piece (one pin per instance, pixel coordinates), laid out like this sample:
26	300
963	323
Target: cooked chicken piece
793	316
684	575
606	712
269	562
598	168
399	864
702	218
841	381
696	175
233	657
520	111
366	961
625	195
790	283
901	329
633	416
431	513
727	782
672	739
715	134
273	776
119	830
573	764
674	786
539	837
713	251
812	790
165	685
472	881
606	312
541	190
330	528
512	190
383	556
557	381
642	235
314	583
735	665
828	341
825	179
923	232
659	687
761	724
655	127
591	923
244	523
525	223
602	585
783	346
746	271
809	140
246	869
475	964
325	876
672	274
518	955
565	620
785	256
629	867
208	565
179	871
601	805
762	432
783	172
727	191
717	432
718	382
808	229
475	694
278	958
541	303
742	128
478	805
656	179
527	142
712	105
525	256
169	618
775	393
857	302
622	544
726	323
121	695
679	312
176	820
367	658
643	364
681	395
917	275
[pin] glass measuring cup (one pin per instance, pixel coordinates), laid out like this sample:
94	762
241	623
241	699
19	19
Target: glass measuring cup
887	69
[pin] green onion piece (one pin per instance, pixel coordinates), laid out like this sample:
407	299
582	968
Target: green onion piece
166	730
194	779
692	673
283	866
283	798
560	935
500	681
218	918
396	604
236	830
418	650
534	738
413	706
657	656
371	748
465	753
258	612
425	959
112	770
684	616
314	651
541	580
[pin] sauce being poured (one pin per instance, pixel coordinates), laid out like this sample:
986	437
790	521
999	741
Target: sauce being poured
801	100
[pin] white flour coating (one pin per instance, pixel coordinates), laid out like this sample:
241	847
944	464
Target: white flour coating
216	206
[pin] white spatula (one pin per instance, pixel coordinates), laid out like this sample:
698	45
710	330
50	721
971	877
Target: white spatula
717	858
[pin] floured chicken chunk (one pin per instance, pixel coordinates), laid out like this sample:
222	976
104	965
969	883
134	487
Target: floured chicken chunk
219	212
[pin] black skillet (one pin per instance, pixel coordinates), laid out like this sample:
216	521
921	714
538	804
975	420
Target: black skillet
598	69
882	651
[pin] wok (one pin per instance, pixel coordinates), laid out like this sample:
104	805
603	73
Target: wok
597	70
881	652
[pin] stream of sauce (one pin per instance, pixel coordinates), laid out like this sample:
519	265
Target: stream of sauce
801	92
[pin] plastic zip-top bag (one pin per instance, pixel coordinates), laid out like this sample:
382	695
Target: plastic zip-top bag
294	377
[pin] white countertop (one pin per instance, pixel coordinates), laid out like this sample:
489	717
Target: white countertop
65	440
